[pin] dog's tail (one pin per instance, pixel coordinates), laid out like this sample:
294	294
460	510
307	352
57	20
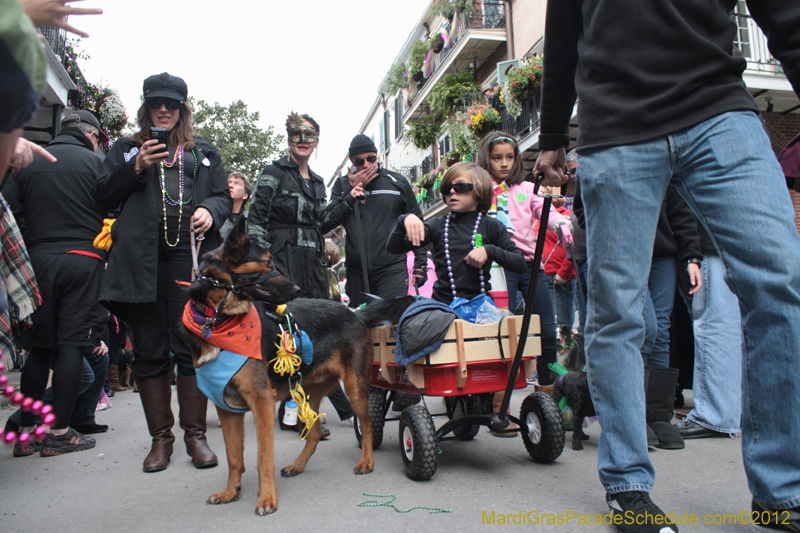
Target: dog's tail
384	310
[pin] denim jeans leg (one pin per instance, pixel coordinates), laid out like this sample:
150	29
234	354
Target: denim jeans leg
716	388
564	302
662	282
86	403
515	284
718	165
622	187
650	329
543	306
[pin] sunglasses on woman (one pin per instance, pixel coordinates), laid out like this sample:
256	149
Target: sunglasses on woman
458	188
369	159
303	138
169	103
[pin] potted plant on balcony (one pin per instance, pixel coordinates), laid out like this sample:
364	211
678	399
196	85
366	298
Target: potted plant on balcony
448	8
397	78
436	42
450	94
524	83
422	133
416	59
481	119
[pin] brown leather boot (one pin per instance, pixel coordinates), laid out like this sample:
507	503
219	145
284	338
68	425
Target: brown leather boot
113	379
192	419
497	402
156	394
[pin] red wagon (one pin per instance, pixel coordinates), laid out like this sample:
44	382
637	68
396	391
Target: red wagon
473	362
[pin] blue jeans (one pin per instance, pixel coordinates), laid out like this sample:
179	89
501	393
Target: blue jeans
716	166
563	297
661	284
542	306
718	349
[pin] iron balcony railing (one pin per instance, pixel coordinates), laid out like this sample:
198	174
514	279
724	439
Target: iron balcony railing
752	43
488	15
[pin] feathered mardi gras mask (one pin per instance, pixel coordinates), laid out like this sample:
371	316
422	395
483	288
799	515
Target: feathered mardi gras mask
298	130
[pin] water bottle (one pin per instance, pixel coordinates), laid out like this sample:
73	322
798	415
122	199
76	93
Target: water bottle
290	413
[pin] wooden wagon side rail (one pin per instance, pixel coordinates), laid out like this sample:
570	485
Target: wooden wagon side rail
464	343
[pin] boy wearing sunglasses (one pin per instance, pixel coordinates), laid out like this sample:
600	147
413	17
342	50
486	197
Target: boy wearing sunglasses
386	196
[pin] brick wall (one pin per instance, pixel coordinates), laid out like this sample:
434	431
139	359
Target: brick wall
781	129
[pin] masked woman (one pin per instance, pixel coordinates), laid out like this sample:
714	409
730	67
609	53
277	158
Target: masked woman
289	215
165	194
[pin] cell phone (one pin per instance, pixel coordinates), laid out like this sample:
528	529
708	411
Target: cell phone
160	134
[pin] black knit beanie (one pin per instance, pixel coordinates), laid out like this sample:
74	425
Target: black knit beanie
361	144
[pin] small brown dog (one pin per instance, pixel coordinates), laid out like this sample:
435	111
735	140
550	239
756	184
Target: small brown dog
237	279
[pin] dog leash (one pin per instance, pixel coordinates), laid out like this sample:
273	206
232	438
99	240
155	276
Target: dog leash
195	245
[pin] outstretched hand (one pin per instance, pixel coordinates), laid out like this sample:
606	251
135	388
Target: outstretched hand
24	151
54	13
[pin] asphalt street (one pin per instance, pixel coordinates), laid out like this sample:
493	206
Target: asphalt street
104	489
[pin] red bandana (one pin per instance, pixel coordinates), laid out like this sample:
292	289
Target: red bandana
238	334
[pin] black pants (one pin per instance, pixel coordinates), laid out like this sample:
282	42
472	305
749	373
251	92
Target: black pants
386	282
156	326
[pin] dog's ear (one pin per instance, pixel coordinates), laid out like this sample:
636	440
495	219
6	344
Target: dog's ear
237	244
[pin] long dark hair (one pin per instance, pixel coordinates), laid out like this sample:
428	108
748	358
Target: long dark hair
181	133
489	141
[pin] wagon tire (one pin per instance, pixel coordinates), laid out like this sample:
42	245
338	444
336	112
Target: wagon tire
418	446
542	427
377	403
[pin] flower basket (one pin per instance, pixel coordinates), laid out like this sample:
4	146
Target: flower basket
525	83
481	119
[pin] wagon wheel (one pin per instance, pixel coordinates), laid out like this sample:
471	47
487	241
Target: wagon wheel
463	432
418	443
542	427
377	404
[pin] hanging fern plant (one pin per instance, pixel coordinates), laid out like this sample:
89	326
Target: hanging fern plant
422	133
447	96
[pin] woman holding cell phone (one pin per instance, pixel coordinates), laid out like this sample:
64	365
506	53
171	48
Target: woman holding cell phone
168	186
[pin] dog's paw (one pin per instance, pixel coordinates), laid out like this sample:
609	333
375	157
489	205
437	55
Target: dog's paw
266	507
577	445
224	496
290	471
210	355
363	469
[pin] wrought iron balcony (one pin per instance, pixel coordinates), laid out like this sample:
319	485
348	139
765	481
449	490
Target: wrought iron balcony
752	42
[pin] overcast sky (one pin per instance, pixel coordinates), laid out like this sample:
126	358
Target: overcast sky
320	57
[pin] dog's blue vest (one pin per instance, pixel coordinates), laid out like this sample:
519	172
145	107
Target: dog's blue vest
213	377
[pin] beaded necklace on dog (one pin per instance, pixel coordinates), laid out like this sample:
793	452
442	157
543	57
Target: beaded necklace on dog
37	407
447	253
166	199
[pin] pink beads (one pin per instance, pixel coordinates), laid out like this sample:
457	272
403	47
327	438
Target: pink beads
37	407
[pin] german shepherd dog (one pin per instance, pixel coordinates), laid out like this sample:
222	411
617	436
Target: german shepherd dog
239	274
574	385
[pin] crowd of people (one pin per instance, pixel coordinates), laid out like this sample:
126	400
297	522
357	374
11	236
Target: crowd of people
663	204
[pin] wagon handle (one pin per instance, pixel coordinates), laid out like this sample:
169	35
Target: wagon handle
526	315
